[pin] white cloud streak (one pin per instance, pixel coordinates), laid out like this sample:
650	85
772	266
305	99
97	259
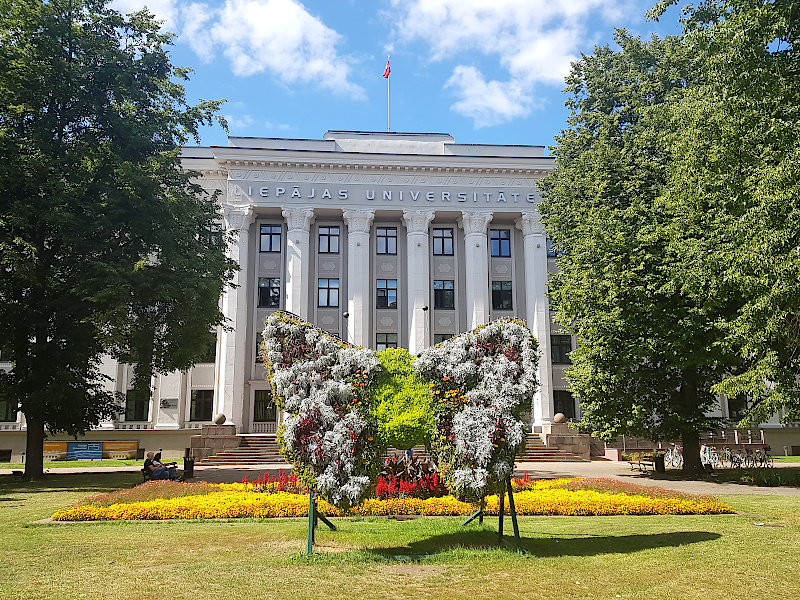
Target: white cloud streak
534	40
277	37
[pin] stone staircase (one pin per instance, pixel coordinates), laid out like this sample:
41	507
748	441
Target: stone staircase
260	449
536	451
253	450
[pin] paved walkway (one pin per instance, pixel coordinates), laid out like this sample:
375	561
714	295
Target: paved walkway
539	470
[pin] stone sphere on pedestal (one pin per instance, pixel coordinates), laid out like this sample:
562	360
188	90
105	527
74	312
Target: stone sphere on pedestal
220	419
559	418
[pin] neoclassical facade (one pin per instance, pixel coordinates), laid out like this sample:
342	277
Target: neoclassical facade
383	239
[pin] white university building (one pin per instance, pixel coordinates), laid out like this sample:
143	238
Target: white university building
383	239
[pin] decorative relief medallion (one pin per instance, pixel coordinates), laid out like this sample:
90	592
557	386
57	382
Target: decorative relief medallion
328	320
445	322
269	265
386	267
387	321
501	269
329	266
443	268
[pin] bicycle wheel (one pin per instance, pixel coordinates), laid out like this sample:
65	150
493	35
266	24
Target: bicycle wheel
749	461
769	462
725	459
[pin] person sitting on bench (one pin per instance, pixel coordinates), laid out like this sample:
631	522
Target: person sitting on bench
157	469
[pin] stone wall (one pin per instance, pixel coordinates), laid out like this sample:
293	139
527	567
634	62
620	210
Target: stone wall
212	440
563	437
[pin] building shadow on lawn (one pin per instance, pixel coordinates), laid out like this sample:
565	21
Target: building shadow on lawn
590	545
90	483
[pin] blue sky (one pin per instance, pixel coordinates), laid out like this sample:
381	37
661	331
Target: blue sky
484	71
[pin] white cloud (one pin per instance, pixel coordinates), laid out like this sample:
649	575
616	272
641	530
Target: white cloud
276	126
279	37
534	41
238	123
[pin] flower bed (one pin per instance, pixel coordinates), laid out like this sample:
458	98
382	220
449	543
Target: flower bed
239	500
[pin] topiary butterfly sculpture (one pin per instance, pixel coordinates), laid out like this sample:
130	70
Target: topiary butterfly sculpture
481	383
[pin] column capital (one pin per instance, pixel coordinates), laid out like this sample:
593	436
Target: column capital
238	217
298	218
417	221
358	221
530	224
475	222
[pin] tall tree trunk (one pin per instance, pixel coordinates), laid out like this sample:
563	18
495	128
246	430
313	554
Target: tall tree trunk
34	449
691	453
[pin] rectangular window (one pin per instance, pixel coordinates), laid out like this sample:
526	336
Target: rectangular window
270	238
564	403
438	338
386	340
737	407
443	242
387	293
500	240
202	405
329	240
551	249
328	292
264	407
560	347
137	408
269	292
8	411
443	294
386	242
501	295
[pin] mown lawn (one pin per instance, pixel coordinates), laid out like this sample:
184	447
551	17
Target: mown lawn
670	557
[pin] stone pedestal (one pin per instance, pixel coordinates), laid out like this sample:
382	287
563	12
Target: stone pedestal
563	437
212	440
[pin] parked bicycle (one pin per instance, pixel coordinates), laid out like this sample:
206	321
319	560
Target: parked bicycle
762	459
674	456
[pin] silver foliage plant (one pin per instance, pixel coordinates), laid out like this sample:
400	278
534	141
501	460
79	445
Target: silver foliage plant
329	433
482	384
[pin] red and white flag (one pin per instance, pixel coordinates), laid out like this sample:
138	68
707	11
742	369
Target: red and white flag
387	70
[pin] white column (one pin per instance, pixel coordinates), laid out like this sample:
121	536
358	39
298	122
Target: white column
233	374
358	276
418	280
298	259
476	261
538	311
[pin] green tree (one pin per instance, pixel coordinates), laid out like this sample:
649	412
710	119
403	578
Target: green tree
735	142
649	348
106	246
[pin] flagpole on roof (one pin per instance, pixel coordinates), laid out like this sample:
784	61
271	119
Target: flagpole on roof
386	73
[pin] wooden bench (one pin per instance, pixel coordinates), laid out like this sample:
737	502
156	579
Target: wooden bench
642	465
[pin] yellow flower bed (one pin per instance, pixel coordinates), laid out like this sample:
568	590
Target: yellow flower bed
231	502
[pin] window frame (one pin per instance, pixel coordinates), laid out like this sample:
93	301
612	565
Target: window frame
328	288
275	238
443	239
270	291
558	342
441	296
329	236
194	401
386	235
273	410
383	300
500	245
386	343
503	295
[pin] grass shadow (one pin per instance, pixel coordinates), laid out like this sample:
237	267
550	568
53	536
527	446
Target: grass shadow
591	545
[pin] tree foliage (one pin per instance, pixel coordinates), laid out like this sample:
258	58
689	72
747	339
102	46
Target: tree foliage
105	244
674	210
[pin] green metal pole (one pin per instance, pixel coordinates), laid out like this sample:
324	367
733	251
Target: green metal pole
473	516
500	514
310	542
513	510
483	509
